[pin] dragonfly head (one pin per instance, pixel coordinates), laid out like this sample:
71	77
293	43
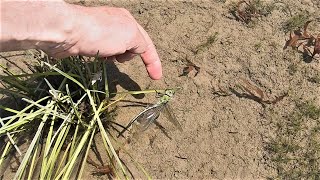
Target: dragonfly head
166	95
170	92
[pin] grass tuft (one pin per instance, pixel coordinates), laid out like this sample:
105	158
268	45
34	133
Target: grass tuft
64	107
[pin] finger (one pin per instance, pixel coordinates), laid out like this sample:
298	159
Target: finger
152	61
150	57
148	53
125	57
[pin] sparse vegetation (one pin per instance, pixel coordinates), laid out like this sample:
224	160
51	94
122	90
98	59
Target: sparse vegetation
296	22
258	46
210	40
292	68
249	11
309	110
295	148
315	79
310	43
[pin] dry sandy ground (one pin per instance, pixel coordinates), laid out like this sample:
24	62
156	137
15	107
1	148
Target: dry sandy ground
224	137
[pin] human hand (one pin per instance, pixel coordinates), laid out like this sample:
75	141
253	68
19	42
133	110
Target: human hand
114	33
63	30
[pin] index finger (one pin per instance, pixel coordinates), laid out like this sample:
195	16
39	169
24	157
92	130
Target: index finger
150	57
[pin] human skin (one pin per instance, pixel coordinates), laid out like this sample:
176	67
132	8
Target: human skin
61	30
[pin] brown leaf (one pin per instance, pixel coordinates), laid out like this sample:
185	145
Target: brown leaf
252	89
305	27
316	46
190	67
244	15
292	42
299	35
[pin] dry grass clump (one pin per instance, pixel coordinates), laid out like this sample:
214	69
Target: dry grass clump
62	107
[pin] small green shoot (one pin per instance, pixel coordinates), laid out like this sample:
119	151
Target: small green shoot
210	40
296	22
258	46
293	68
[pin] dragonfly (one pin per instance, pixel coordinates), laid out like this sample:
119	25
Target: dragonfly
151	113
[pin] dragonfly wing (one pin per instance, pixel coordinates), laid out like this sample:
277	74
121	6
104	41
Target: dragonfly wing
171	117
149	116
145	118
138	117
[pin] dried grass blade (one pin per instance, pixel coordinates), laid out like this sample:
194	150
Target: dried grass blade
105	79
33	144
11	139
305	27
65	75
33	163
252	89
137	164
63	159
5	152
55	151
84	161
66	171
104	134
